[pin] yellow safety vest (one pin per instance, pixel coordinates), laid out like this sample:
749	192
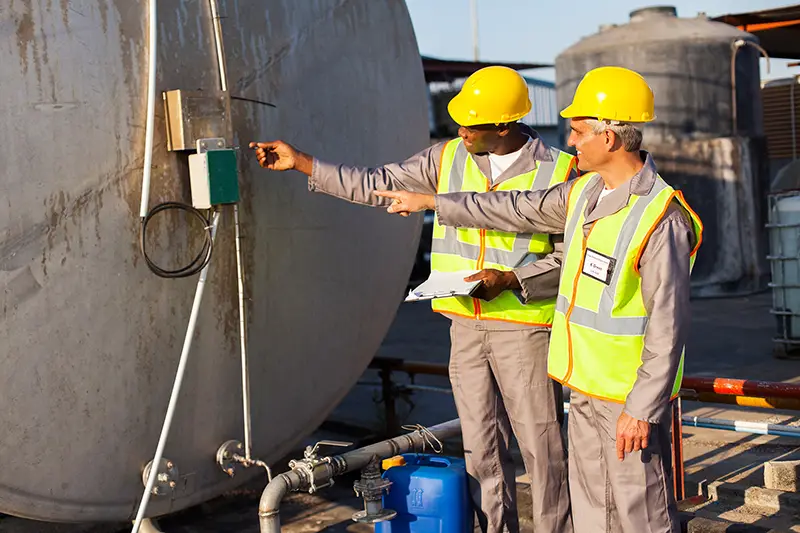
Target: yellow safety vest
456	249
598	332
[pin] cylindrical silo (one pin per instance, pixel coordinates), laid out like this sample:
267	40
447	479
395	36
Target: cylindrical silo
91	338
702	143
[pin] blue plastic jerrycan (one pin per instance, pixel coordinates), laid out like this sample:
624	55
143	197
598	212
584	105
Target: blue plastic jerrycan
430	494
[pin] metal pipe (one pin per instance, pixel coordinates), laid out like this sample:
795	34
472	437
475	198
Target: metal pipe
410	386
793	121
151	108
742	387
248	443
742	426
475	44
678	472
409	367
735	46
269	506
744	401
223	69
429	388
176	385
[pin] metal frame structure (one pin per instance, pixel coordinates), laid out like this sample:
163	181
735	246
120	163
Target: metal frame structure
777	258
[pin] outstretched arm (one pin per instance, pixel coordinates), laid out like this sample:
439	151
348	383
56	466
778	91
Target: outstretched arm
355	184
514	211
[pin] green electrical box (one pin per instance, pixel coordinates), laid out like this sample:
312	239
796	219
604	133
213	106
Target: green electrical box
214	178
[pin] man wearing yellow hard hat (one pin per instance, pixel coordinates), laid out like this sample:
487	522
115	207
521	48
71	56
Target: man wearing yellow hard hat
623	302
499	337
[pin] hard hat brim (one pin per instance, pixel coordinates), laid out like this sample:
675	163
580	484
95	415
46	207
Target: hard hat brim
569	112
460	112
572	112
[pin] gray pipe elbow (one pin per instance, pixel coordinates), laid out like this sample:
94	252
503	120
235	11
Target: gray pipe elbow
269	519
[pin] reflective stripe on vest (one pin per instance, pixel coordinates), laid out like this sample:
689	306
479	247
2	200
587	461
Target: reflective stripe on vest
473	249
598	329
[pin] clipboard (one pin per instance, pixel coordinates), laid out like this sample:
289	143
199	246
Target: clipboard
444	285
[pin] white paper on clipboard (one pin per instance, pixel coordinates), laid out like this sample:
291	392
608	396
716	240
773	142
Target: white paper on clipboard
444	285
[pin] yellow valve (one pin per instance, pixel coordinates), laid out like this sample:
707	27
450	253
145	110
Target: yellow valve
397	460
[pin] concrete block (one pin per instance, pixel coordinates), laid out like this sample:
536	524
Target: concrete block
782	475
706	525
767	499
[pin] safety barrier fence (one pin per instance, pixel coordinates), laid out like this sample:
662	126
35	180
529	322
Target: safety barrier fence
748	393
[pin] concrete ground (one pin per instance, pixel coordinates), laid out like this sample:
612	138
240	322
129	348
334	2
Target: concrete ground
729	338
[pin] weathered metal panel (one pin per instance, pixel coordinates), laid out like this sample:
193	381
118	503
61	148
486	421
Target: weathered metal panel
722	179
90	337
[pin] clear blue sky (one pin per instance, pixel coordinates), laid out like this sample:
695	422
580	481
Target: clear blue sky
538	30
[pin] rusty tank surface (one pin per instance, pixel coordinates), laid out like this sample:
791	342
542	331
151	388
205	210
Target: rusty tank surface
90	336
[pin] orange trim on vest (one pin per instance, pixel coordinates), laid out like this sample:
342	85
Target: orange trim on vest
686	206
532	324
441	164
650	232
572	301
595	396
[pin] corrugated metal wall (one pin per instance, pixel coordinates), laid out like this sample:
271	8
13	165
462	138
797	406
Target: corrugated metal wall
543	98
782	118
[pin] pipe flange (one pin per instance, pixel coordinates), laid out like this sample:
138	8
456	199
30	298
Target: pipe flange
225	456
166	478
381	516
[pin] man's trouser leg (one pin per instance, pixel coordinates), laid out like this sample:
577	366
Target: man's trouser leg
519	363
485	430
609	495
502	375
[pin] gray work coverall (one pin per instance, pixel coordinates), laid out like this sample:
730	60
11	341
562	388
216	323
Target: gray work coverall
498	370
635	495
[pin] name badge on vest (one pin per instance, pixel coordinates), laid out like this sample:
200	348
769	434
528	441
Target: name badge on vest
598	266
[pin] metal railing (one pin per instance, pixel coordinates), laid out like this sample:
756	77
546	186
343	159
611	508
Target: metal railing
748	393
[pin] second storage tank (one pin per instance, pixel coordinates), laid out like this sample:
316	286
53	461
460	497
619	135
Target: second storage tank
687	62
702	142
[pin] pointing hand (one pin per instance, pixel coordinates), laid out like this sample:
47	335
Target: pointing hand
405	202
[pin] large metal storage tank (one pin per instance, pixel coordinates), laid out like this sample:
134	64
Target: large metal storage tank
90	337
720	168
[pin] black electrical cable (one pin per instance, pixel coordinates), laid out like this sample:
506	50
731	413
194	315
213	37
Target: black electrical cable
198	263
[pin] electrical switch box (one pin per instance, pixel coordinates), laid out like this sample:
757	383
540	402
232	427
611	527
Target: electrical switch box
213	174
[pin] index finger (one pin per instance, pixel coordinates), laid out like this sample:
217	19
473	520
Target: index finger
266	145
621	448
388	194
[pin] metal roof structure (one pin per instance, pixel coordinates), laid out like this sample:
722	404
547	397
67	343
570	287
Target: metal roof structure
447	70
778	30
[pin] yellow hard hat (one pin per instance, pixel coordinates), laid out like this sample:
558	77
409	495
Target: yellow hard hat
612	93
491	95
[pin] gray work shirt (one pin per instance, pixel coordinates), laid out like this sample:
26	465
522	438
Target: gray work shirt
663	266
420	173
